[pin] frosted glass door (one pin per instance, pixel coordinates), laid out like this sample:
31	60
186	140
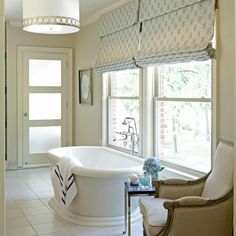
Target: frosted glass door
45	73
42	139
44	106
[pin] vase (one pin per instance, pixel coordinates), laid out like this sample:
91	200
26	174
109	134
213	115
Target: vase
145	180
154	176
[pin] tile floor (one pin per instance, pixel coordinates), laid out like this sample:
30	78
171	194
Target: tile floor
27	194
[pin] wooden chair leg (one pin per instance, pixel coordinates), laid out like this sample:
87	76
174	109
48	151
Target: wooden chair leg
144	232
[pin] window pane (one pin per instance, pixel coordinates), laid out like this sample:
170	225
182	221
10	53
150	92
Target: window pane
185	80
125	83
42	139
184	134
44	106
44	73
120	128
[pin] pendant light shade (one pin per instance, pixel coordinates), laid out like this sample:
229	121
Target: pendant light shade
51	16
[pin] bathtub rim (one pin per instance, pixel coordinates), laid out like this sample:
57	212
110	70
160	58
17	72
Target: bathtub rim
88	172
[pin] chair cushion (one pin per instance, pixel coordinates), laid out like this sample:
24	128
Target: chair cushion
220	181
154	214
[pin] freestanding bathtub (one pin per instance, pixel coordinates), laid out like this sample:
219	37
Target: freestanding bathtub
100	182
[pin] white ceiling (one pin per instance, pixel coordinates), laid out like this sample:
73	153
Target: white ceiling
89	9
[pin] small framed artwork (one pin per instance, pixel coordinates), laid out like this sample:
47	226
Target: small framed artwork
85	87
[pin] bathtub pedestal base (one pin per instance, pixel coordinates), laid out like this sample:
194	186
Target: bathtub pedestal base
117	221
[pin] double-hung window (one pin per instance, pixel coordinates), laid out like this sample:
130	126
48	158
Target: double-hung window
123	107
183	114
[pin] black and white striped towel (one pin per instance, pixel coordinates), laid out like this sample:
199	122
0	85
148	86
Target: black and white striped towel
63	180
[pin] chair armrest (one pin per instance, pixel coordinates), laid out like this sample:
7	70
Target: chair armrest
175	181
199	216
176	188
190	201
195	201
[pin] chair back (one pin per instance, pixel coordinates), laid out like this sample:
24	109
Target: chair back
220	180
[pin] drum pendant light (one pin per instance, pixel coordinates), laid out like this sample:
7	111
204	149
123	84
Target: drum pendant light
51	16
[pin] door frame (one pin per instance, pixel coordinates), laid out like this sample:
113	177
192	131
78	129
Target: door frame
21	51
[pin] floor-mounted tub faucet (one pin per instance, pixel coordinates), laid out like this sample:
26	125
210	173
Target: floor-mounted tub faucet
132	132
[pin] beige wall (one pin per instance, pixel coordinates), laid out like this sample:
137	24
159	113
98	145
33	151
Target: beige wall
86	118
234	116
87	122
17	37
2	186
226	69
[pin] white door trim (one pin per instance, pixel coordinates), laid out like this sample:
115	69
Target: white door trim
21	50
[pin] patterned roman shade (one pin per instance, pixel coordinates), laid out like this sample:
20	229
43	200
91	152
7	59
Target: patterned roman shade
117	50
176	31
171	31
150	9
119	38
119	19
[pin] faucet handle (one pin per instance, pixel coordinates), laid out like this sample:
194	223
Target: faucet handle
123	133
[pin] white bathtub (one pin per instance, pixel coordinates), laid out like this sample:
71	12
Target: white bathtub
100	182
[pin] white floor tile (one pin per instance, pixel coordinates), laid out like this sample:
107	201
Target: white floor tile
137	232
85	231
62	233
11	205
115	231
45	200
30	203
17	221
21	197
14	213
47	194
20	231
138	226
43	218
52	227
38	210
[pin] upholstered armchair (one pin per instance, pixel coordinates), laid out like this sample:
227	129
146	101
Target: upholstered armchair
202	207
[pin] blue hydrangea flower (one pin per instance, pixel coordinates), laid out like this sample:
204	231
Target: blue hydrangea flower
152	165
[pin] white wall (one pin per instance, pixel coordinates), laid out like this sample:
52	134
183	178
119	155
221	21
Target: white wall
87	119
17	37
2	186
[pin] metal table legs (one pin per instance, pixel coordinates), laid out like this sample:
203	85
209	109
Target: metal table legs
126	213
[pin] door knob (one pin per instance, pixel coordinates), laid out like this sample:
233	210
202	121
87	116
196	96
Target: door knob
25	114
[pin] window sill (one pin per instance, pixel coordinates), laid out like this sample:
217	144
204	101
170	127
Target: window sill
173	173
